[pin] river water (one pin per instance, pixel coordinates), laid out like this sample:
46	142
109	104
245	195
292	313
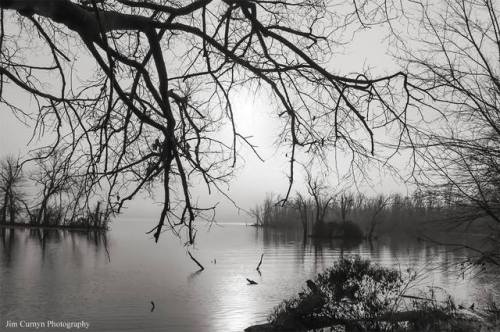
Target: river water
111	281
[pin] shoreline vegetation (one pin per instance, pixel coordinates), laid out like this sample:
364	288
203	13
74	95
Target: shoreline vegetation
49	195
357	295
70	227
61	216
56	218
356	216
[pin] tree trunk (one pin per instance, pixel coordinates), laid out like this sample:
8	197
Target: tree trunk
372	229
4	208
12	208
97	215
40	218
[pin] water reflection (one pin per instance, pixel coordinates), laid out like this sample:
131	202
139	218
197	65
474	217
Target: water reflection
35	242
436	265
49	274
8	236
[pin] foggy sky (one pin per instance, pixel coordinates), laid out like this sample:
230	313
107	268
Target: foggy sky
254	116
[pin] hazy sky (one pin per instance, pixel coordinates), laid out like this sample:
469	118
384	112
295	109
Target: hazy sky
254	116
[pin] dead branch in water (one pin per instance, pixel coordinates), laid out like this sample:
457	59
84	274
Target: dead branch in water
197	263
260	262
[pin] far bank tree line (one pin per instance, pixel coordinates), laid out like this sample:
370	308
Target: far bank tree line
323	213
48	193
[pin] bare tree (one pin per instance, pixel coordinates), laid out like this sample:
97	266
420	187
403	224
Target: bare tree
268	210
164	75
454	78
11	182
258	213
305	208
346	205
457	75
53	178
318	190
377	206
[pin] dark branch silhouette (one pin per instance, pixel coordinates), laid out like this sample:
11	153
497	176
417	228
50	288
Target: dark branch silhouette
196	261
140	90
260	263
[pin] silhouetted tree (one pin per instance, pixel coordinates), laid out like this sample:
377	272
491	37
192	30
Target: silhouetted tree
305	208
53	178
156	81
346	205
11	182
376	206
321	197
456	73
454	81
258	213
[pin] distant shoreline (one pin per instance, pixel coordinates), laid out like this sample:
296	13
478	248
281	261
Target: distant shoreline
55	227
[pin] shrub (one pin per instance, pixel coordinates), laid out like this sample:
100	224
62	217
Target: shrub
352	289
363	296
345	230
351	230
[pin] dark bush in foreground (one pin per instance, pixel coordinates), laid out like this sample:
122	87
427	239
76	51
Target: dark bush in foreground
361	296
351	289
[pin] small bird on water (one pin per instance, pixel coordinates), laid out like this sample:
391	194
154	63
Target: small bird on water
251	282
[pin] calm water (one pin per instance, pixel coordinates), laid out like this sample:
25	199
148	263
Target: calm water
110	282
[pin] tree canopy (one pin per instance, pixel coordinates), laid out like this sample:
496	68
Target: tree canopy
136	92
453	65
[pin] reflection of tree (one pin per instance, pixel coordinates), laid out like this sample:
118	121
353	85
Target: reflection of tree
13	238
313	247
8	236
304	206
318	247
273	237
43	237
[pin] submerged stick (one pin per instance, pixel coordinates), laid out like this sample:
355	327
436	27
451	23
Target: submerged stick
197	263
258	266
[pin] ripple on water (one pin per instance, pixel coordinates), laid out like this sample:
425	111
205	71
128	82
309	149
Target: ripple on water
67	275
